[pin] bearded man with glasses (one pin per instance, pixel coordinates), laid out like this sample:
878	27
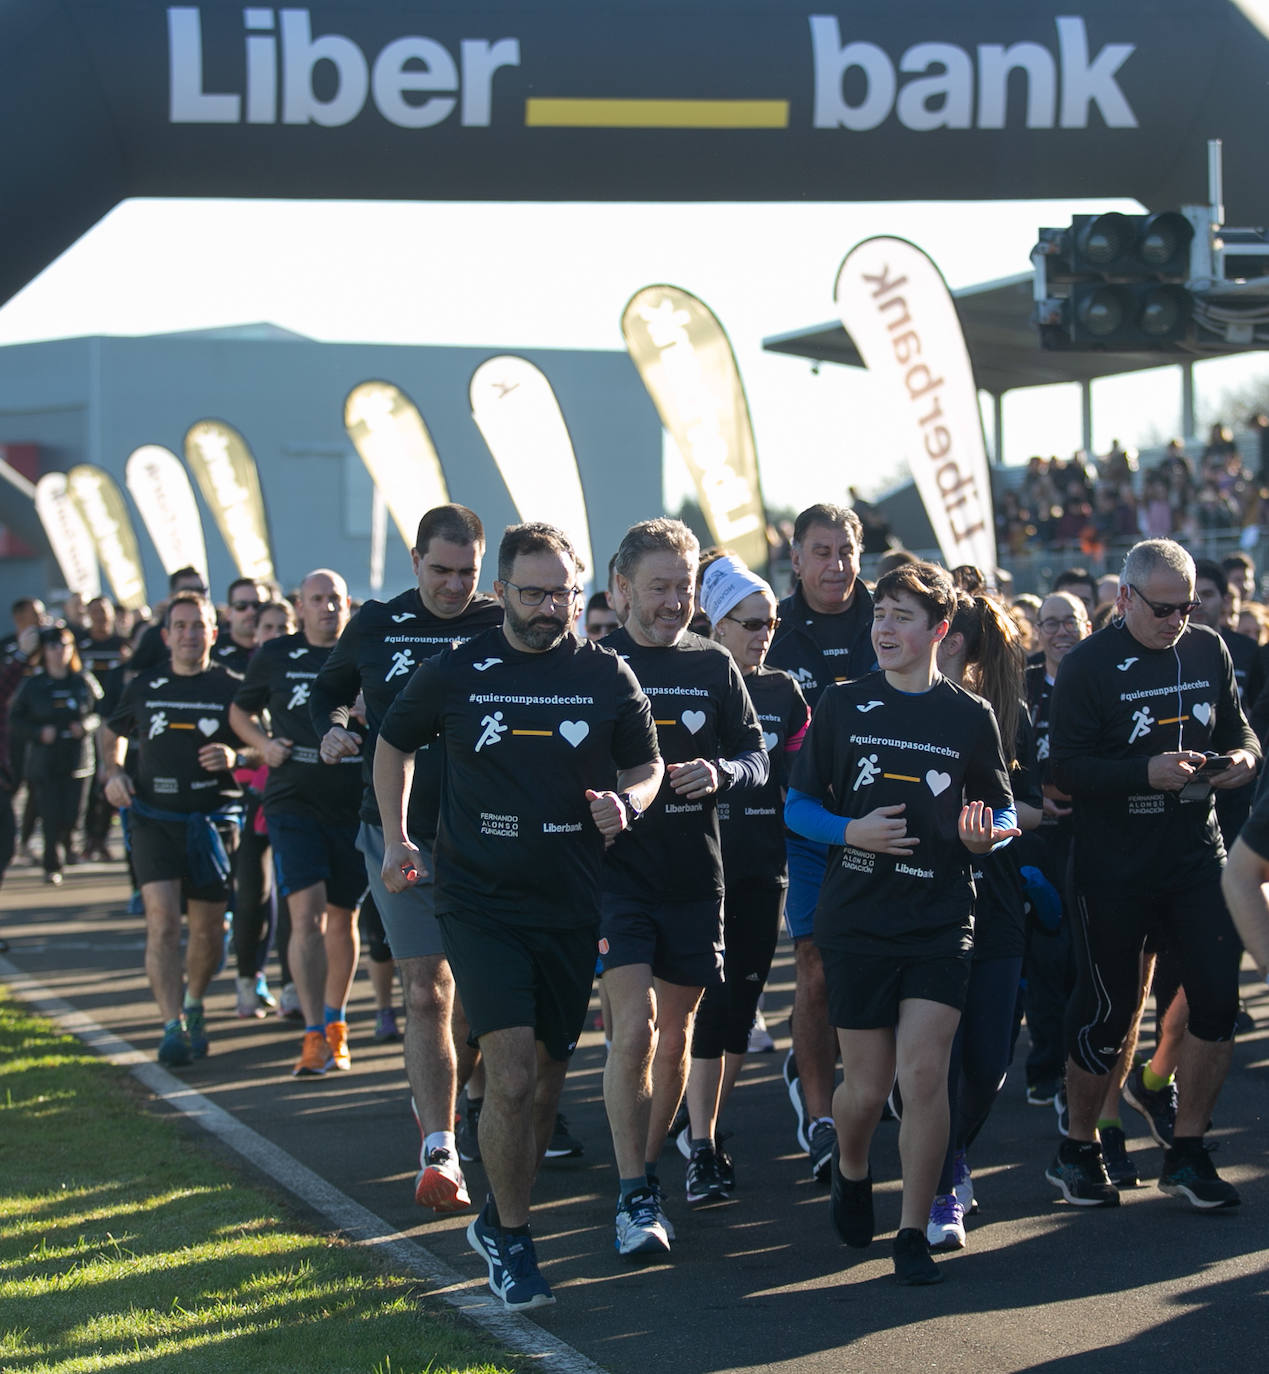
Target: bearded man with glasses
1138	709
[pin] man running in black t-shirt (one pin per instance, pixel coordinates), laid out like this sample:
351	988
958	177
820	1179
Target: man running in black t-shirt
1244	879
382	646
661	936
533	722
311	812
823	638
1136	709
183	811
904	775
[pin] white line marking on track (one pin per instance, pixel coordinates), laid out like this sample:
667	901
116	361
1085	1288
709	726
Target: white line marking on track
357	1223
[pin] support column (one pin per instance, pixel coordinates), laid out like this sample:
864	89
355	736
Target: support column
1188	425
1086	417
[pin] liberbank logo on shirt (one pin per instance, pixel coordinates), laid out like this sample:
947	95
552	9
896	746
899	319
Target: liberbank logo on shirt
418	82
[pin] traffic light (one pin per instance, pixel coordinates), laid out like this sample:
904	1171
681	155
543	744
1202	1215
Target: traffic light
1115	282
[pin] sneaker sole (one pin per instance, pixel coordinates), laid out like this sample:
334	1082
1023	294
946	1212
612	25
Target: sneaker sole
650	1244
563	1154
704	1199
179	1061
1060	1184
795	1100
537	1300
473	1239
925	1279
946	1241
1180	1190
438	1191
304	1071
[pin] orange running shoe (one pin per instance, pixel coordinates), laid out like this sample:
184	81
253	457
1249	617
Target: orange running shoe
439	1184
315	1057
337	1039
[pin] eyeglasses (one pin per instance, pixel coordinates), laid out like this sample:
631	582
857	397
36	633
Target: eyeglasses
246	605
1161	610
535	596
1052	625
752	626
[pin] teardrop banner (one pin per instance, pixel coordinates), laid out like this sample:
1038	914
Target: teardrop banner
226	473
160	487
517	411
686	362
101	506
895	305
68	536
389	434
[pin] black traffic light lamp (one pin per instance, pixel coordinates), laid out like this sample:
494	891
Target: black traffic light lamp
1119	317
1120	246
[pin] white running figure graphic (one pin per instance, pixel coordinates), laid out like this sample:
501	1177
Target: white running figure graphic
299	695
1142	720
493	731
402	663
158	723
868	771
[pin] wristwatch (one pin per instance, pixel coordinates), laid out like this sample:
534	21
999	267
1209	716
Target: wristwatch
633	809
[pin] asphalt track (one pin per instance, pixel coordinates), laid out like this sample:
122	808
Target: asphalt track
760	1283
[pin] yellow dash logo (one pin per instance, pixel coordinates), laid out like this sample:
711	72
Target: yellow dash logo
665	722
564	113
545	733
176	725
1174	720
900	777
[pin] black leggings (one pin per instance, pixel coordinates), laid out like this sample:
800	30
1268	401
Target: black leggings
253	900
1110	933
751	927
58	802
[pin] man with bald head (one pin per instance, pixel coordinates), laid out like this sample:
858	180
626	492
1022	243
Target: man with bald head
311	812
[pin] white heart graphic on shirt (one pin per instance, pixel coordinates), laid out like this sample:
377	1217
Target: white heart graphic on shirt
208	725
937	782
1202	713
693	720
770	740
575	731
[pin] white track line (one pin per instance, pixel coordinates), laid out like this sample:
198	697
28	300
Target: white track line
358	1224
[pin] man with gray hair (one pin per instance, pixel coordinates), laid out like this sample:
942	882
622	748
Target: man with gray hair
661	924
1145	723
824	636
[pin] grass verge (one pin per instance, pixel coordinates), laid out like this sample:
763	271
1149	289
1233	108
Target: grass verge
125	1246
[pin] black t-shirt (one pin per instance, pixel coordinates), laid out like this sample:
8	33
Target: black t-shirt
870	745
280	680
169	718
752	822
151	653
701	710
1255	831
525	736
230	654
380	648
818	650
60	702
100	656
1000	918
1116	704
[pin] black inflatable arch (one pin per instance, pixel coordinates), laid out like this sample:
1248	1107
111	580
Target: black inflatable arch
618	100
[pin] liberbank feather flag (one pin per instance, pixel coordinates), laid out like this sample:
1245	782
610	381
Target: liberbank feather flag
160	487
226	473
68	536
389	434
895	305
687	364
517	411
101	506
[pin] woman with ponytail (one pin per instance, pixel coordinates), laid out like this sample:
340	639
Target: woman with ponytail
983	653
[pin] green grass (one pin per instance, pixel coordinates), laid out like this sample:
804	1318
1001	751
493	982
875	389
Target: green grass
124	1245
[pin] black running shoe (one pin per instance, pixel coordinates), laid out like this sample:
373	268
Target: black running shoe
1158	1108
850	1205
1120	1169
726	1166
1063	1109
1190	1173
1079	1173
820	1153
563	1144
913	1266
704	1179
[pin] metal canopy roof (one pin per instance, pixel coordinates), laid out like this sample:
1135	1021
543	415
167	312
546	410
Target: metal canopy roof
1004	346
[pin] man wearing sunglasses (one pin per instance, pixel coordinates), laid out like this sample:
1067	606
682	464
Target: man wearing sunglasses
234	650
1136	711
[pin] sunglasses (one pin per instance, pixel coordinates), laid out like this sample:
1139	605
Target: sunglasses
752	626
246	605
1161	610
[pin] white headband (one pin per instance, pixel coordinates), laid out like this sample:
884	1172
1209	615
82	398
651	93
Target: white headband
726	584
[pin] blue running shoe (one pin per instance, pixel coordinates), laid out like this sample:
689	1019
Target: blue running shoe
174	1049
485	1239
523	1287
196	1021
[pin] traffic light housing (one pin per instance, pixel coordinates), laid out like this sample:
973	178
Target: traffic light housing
1115	283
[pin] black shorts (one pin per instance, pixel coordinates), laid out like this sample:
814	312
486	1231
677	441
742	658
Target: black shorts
307	851
510	975
864	990
681	941
158	855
